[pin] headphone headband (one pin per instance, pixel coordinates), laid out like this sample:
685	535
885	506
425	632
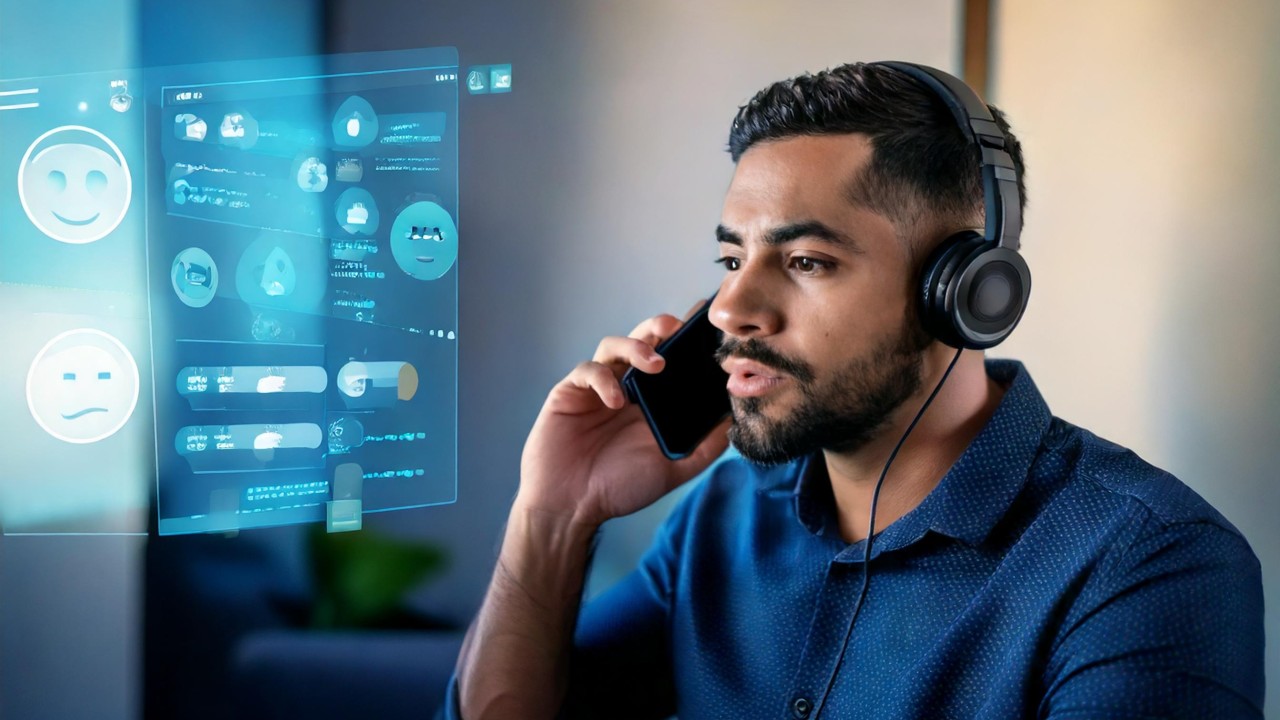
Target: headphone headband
999	177
974	288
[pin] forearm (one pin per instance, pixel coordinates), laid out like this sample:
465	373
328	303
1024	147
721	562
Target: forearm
515	662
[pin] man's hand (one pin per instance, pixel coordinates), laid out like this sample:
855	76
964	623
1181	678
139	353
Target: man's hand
591	455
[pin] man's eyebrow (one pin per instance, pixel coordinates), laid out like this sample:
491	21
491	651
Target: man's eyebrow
725	235
794	231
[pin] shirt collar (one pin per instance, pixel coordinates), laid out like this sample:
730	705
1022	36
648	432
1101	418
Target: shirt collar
976	492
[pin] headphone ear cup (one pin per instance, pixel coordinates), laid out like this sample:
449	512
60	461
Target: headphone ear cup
973	292
992	287
937	276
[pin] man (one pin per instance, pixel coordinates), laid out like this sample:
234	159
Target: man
1025	568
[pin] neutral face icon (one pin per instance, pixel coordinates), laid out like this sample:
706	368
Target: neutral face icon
82	386
74	184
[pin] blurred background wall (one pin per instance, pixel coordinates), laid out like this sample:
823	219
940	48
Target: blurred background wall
589	195
1150	134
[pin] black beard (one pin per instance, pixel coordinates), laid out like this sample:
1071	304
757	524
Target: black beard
841	414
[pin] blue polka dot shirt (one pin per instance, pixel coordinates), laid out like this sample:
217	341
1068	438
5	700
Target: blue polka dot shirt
1050	574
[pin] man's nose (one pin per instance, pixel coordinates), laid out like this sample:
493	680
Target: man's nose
744	307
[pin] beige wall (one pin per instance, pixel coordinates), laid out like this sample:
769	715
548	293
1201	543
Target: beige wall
1152	143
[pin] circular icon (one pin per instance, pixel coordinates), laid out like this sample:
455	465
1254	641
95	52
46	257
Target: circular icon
195	277
121	101
311	173
424	240
355	124
353	379
283	271
344	434
82	386
74	184
356	212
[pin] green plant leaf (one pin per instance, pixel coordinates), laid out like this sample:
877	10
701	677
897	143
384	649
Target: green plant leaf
362	577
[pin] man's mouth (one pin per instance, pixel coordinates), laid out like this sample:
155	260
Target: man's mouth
748	378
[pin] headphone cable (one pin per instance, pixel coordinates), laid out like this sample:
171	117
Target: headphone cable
871	527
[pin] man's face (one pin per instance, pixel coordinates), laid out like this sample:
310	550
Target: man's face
820	336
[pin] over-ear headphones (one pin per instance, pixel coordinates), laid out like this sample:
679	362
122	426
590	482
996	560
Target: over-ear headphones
974	288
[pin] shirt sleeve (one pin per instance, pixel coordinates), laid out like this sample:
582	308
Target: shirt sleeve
621	665
1174	629
451	709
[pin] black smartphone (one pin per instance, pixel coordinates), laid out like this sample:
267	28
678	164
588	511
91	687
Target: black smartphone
685	401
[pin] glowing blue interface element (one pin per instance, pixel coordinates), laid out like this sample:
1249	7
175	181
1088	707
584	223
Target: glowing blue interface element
238	280
302	247
77	441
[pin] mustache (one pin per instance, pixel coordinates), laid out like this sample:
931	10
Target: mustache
753	349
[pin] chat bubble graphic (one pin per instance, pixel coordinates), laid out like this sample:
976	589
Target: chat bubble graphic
82	386
376	384
251	379
221	448
74	184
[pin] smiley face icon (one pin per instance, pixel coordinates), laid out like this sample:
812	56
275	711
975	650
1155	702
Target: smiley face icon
74	184
82	386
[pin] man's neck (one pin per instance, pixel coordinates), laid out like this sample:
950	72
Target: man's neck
963	406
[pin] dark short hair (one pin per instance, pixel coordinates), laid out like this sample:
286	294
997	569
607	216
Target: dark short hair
922	170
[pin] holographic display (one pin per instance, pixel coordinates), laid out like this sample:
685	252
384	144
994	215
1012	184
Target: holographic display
236	279
303	243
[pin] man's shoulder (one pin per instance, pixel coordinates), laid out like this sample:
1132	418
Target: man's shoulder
1158	579
1105	469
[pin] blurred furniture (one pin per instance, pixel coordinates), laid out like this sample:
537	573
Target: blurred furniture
365	674
227	634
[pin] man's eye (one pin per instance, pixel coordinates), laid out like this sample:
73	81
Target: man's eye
729	262
810	265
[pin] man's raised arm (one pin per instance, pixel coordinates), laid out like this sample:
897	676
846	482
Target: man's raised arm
589	457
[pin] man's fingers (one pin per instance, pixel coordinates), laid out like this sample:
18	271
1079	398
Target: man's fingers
622	353
637	349
601	379
660	327
656	329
